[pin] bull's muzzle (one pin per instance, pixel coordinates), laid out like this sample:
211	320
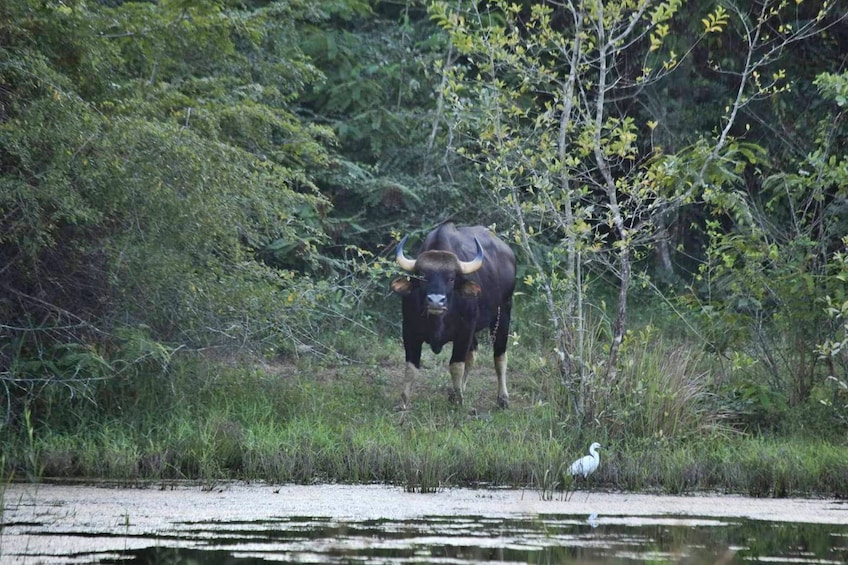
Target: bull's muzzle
437	303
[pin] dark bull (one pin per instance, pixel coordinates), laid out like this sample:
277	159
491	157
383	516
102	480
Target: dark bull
462	282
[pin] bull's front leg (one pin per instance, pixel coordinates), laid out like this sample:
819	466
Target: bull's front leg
457	370
470	359
462	359
413	365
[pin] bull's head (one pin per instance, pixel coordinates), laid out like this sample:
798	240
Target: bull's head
438	273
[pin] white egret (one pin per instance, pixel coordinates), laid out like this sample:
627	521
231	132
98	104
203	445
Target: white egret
586	465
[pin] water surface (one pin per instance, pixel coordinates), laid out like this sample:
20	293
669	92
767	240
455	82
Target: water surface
377	524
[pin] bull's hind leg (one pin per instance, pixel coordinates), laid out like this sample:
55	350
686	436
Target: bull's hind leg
500	372
500	336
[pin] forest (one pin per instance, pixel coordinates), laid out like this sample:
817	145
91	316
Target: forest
201	201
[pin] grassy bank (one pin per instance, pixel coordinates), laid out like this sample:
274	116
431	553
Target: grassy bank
316	421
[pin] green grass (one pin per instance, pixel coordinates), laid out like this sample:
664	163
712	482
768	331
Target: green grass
322	422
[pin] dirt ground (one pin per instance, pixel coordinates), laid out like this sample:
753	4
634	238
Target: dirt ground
40	523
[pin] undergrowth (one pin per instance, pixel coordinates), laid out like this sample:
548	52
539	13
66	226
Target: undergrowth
318	421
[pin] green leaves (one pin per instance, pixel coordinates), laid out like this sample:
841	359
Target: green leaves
833	87
716	21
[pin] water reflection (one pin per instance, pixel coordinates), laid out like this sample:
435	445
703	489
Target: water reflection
468	539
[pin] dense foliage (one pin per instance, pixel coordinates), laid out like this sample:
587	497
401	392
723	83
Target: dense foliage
225	179
151	157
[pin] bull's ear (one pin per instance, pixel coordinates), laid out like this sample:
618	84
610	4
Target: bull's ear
469	289
402	286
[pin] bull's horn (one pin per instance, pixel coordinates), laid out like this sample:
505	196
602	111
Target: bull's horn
468	267
407	265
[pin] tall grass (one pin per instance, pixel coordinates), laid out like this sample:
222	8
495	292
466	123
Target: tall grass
317	422
662	391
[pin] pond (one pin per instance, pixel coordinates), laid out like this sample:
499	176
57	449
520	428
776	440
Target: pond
260	523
